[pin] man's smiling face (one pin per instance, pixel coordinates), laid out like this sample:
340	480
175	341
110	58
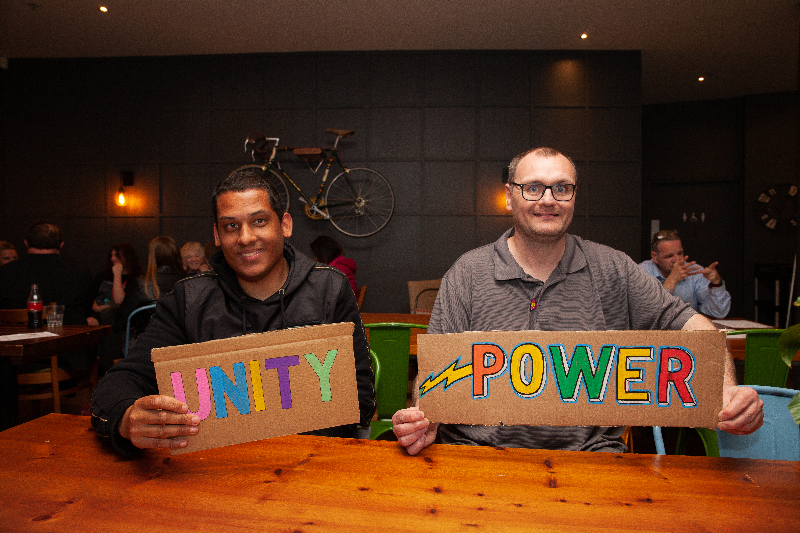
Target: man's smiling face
251	236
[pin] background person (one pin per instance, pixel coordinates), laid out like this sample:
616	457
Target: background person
59	281
259	282
702	288
122	270
8	253
122	265
538	277
194	258
327	250
164	270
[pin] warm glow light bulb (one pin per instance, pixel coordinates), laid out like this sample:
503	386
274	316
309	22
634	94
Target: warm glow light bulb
121	198
585	36
500	200
701	78
103	9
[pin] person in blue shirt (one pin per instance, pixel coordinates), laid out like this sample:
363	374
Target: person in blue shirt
702	288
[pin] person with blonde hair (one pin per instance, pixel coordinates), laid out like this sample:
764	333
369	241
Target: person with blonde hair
164	267
164	270
194	258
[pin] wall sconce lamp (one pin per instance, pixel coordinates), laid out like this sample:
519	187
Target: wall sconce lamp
127	181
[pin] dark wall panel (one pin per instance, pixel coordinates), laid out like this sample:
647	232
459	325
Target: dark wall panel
439	125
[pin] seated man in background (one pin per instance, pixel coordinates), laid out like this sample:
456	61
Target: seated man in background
258	282
59	282
538	277
702	288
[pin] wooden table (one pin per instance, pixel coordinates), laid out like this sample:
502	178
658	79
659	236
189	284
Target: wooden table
58	476
13	353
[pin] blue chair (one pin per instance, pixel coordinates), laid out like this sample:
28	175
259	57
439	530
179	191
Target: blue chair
390	343
778	438
128	325
762	366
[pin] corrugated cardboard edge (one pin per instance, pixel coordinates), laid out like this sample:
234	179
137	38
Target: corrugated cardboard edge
253	340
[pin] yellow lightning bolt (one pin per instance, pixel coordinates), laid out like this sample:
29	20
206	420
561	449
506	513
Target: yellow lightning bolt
449	375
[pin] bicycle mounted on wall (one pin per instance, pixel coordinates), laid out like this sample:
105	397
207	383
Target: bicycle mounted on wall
358	201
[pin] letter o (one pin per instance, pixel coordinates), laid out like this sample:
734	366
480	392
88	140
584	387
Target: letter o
528	352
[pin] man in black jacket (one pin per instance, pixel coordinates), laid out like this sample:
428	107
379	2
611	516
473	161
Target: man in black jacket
258	283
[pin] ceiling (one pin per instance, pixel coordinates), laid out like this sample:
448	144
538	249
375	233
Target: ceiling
741	47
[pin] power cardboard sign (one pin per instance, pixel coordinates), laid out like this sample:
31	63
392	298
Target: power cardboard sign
263	385
557	378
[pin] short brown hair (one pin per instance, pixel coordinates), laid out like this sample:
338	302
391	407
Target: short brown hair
542	151
664	235
44	236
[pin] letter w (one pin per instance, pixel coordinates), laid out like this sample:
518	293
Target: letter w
568	373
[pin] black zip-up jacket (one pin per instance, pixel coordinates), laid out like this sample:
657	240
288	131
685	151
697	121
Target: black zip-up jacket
212	305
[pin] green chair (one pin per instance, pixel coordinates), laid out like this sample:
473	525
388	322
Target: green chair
763	365
762	360
390	343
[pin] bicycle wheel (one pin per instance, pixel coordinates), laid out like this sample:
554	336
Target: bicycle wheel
273	177
359	202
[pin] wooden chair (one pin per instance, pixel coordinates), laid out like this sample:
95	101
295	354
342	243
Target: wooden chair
422	295
31	383
360	297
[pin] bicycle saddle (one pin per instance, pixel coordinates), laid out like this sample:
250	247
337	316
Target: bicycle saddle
342	133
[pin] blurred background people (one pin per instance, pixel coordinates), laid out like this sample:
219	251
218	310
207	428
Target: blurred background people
164	270
8	253
702	288
194	258
327	250
121	266
59	282
164	267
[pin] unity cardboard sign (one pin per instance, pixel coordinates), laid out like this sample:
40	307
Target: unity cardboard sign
557	378
263	385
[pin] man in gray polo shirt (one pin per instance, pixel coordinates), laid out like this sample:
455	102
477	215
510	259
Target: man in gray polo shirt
538	277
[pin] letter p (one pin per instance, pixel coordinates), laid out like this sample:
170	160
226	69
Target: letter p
488	362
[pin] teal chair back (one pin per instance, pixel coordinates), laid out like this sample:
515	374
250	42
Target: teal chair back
778	438
763	366
390	342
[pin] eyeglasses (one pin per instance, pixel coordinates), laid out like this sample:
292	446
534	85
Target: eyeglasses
533	192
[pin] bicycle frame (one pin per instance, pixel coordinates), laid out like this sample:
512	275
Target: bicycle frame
330	154
358	201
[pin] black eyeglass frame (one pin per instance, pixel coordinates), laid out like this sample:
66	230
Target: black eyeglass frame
522	190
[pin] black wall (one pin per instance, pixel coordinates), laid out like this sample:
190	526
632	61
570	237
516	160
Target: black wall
439	125
717	157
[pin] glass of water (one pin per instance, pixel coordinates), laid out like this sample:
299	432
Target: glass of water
55	316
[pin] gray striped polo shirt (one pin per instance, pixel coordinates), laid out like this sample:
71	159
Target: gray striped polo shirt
593	288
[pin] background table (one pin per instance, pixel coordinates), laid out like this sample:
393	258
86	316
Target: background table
58	476
13	353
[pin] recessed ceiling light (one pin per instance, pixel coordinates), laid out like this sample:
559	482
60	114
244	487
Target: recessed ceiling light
584	36
103	9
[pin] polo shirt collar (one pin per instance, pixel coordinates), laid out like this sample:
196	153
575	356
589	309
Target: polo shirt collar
506	267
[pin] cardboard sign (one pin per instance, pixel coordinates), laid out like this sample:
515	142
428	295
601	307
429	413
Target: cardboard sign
576	378
263	385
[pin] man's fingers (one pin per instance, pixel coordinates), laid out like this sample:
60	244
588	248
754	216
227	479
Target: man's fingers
743	413
159	402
